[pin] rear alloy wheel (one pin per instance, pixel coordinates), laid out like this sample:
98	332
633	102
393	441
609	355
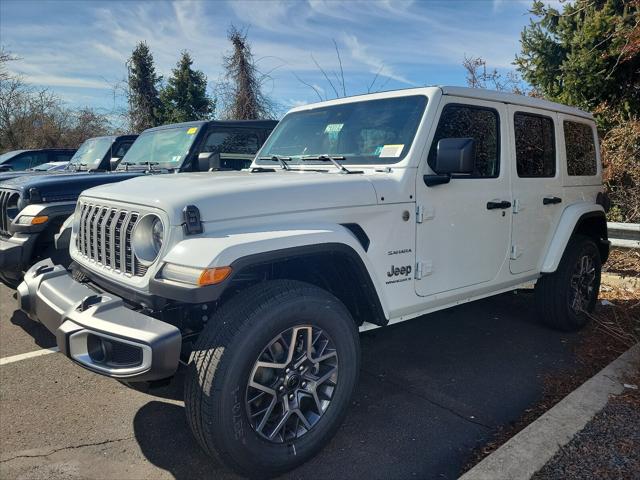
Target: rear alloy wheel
271	377
566	298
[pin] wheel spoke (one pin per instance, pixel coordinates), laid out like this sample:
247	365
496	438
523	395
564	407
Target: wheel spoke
303	419
266	416
280	425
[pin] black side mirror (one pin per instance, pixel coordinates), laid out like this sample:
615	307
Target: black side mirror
208	161
113	162
455	155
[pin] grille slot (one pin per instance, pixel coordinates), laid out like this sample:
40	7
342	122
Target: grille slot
104	237
8	209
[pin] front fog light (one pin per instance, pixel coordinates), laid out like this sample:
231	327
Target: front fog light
147	238
193	275
32	220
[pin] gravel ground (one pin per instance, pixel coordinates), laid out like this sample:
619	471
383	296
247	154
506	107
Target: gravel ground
607	449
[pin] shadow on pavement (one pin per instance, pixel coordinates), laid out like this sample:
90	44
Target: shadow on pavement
430	391
41	336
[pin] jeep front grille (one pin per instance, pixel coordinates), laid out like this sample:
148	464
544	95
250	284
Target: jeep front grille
104	237
8	209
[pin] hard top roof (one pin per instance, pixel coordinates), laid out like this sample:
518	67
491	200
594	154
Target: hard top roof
221	123
475	93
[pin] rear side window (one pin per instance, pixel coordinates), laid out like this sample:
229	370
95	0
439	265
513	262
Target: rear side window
481	124
581	149
243	142
535	145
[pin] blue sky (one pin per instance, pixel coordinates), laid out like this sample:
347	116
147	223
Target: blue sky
78	48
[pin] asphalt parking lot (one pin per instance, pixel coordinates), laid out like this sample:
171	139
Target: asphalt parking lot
430	390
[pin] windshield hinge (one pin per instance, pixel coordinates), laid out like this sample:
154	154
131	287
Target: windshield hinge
423	269
424	213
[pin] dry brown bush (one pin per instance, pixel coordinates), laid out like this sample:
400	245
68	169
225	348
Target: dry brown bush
621	162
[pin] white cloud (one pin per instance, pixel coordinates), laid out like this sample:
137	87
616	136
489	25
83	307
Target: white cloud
360	53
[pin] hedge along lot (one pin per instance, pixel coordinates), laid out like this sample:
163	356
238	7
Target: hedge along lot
430	391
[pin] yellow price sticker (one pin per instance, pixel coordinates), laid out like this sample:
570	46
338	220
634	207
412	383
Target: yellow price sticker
192	130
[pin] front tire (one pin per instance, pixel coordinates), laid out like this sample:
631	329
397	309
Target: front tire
566	298
271	377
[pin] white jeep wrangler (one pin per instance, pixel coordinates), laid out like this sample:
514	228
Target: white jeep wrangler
356	213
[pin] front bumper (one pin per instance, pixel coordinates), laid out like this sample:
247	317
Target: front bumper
96	329
15	253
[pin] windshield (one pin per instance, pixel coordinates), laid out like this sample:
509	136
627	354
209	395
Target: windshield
167	147
6	156
91	153
367	132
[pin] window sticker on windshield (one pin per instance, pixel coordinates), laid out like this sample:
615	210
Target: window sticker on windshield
391	151
333	127
175	158
192	130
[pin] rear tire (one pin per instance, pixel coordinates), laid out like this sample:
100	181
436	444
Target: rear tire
280	353
565	298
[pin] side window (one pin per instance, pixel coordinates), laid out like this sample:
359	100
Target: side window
122	150
479	123
535	145
21	163
581	148
243	142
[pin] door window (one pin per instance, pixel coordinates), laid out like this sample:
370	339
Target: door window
28	160
581	149
479	123
535	145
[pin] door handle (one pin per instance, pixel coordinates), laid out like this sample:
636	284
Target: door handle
551	200
495	205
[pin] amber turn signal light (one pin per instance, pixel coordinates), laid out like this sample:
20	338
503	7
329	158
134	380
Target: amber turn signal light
212	276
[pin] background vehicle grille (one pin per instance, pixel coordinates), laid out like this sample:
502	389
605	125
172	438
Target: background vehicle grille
104	237
8	209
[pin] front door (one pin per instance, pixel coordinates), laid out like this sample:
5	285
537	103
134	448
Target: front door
537	189
463	234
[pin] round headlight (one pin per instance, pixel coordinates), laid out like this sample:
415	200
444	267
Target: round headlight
146	238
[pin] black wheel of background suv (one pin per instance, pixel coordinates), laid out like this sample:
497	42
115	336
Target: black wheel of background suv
565	298
271	377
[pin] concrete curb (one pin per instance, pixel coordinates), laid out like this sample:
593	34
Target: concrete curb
529	450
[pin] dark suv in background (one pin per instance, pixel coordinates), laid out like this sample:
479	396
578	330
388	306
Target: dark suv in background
18	160
34	207
95	154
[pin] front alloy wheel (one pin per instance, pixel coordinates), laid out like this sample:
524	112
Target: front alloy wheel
271	376
292	383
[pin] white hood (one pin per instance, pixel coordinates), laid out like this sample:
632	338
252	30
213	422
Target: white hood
229	195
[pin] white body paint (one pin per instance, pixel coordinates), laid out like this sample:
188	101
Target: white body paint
450	250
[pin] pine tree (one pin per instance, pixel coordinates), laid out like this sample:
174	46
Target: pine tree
587	55
185	96
143	82
242	92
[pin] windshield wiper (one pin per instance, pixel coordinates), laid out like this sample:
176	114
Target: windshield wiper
277	158
328	158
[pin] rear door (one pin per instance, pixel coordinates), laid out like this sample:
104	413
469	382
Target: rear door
536	185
